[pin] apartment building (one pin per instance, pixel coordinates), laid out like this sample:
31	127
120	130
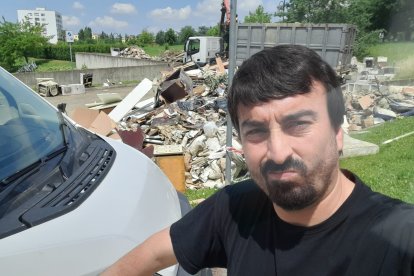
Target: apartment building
51	19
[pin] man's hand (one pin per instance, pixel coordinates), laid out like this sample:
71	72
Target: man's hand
152	255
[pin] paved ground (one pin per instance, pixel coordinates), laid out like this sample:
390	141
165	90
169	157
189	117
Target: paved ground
74	101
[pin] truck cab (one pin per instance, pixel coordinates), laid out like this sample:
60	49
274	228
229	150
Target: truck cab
202	49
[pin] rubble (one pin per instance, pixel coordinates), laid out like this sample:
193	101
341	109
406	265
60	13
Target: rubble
370	101
168	56
190	111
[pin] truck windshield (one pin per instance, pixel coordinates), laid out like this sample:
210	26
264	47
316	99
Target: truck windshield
29	127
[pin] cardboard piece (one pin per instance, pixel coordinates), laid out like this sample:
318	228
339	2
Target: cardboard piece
365	102
130	100
95	121
177	86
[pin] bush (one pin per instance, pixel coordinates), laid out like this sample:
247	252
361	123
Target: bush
364	42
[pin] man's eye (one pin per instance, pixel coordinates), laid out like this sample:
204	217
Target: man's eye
255	134
297	126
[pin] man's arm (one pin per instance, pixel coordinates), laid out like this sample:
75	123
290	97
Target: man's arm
152	255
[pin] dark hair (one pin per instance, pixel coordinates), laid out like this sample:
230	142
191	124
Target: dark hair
283	71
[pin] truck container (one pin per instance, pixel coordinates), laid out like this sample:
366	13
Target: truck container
333	42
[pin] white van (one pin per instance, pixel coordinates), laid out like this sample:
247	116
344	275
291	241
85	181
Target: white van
72	202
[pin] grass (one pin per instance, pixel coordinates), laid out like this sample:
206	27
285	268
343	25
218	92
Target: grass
47	65
399	54
395	51
203	193
391	170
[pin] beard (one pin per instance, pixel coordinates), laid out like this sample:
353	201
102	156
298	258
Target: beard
310	187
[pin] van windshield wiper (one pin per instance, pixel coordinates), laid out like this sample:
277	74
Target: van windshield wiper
8	184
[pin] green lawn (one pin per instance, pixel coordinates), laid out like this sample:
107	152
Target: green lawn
391	171
399	54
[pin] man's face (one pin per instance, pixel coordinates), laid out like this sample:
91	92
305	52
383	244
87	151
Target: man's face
290	147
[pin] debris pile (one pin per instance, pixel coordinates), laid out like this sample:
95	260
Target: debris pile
134	52
193	116
168	56
369	100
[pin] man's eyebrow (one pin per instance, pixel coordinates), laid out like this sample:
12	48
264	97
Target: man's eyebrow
298	115
251	124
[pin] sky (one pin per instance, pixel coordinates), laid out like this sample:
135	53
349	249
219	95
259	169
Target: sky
133	16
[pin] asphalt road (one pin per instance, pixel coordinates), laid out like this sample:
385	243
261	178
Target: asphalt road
79	100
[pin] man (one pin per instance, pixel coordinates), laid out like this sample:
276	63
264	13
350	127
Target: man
300	214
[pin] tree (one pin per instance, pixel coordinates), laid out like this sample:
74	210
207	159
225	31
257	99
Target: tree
170	37
258	16
145	38
160	38
214	31
203	30
315	11
18	40
88	33
81	35
186	32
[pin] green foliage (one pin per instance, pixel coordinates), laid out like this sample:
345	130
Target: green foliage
318	11
390	171
160	38
214	31
185	33
62	51
258	16
364	42
203	30
145	38
17	40
170	37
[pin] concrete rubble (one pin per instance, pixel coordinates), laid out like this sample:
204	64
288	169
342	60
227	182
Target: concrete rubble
371	98
139	53
190	110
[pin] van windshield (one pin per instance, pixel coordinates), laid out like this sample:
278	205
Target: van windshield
29	127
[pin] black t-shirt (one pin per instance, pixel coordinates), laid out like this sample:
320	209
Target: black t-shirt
237	228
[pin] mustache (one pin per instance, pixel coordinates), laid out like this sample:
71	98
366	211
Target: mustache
289	164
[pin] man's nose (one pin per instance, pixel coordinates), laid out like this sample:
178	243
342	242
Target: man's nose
278	147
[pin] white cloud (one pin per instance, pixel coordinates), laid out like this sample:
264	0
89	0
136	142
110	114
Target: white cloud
169	13
244	6
78	6
123	8
108	22
210	7
69	21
